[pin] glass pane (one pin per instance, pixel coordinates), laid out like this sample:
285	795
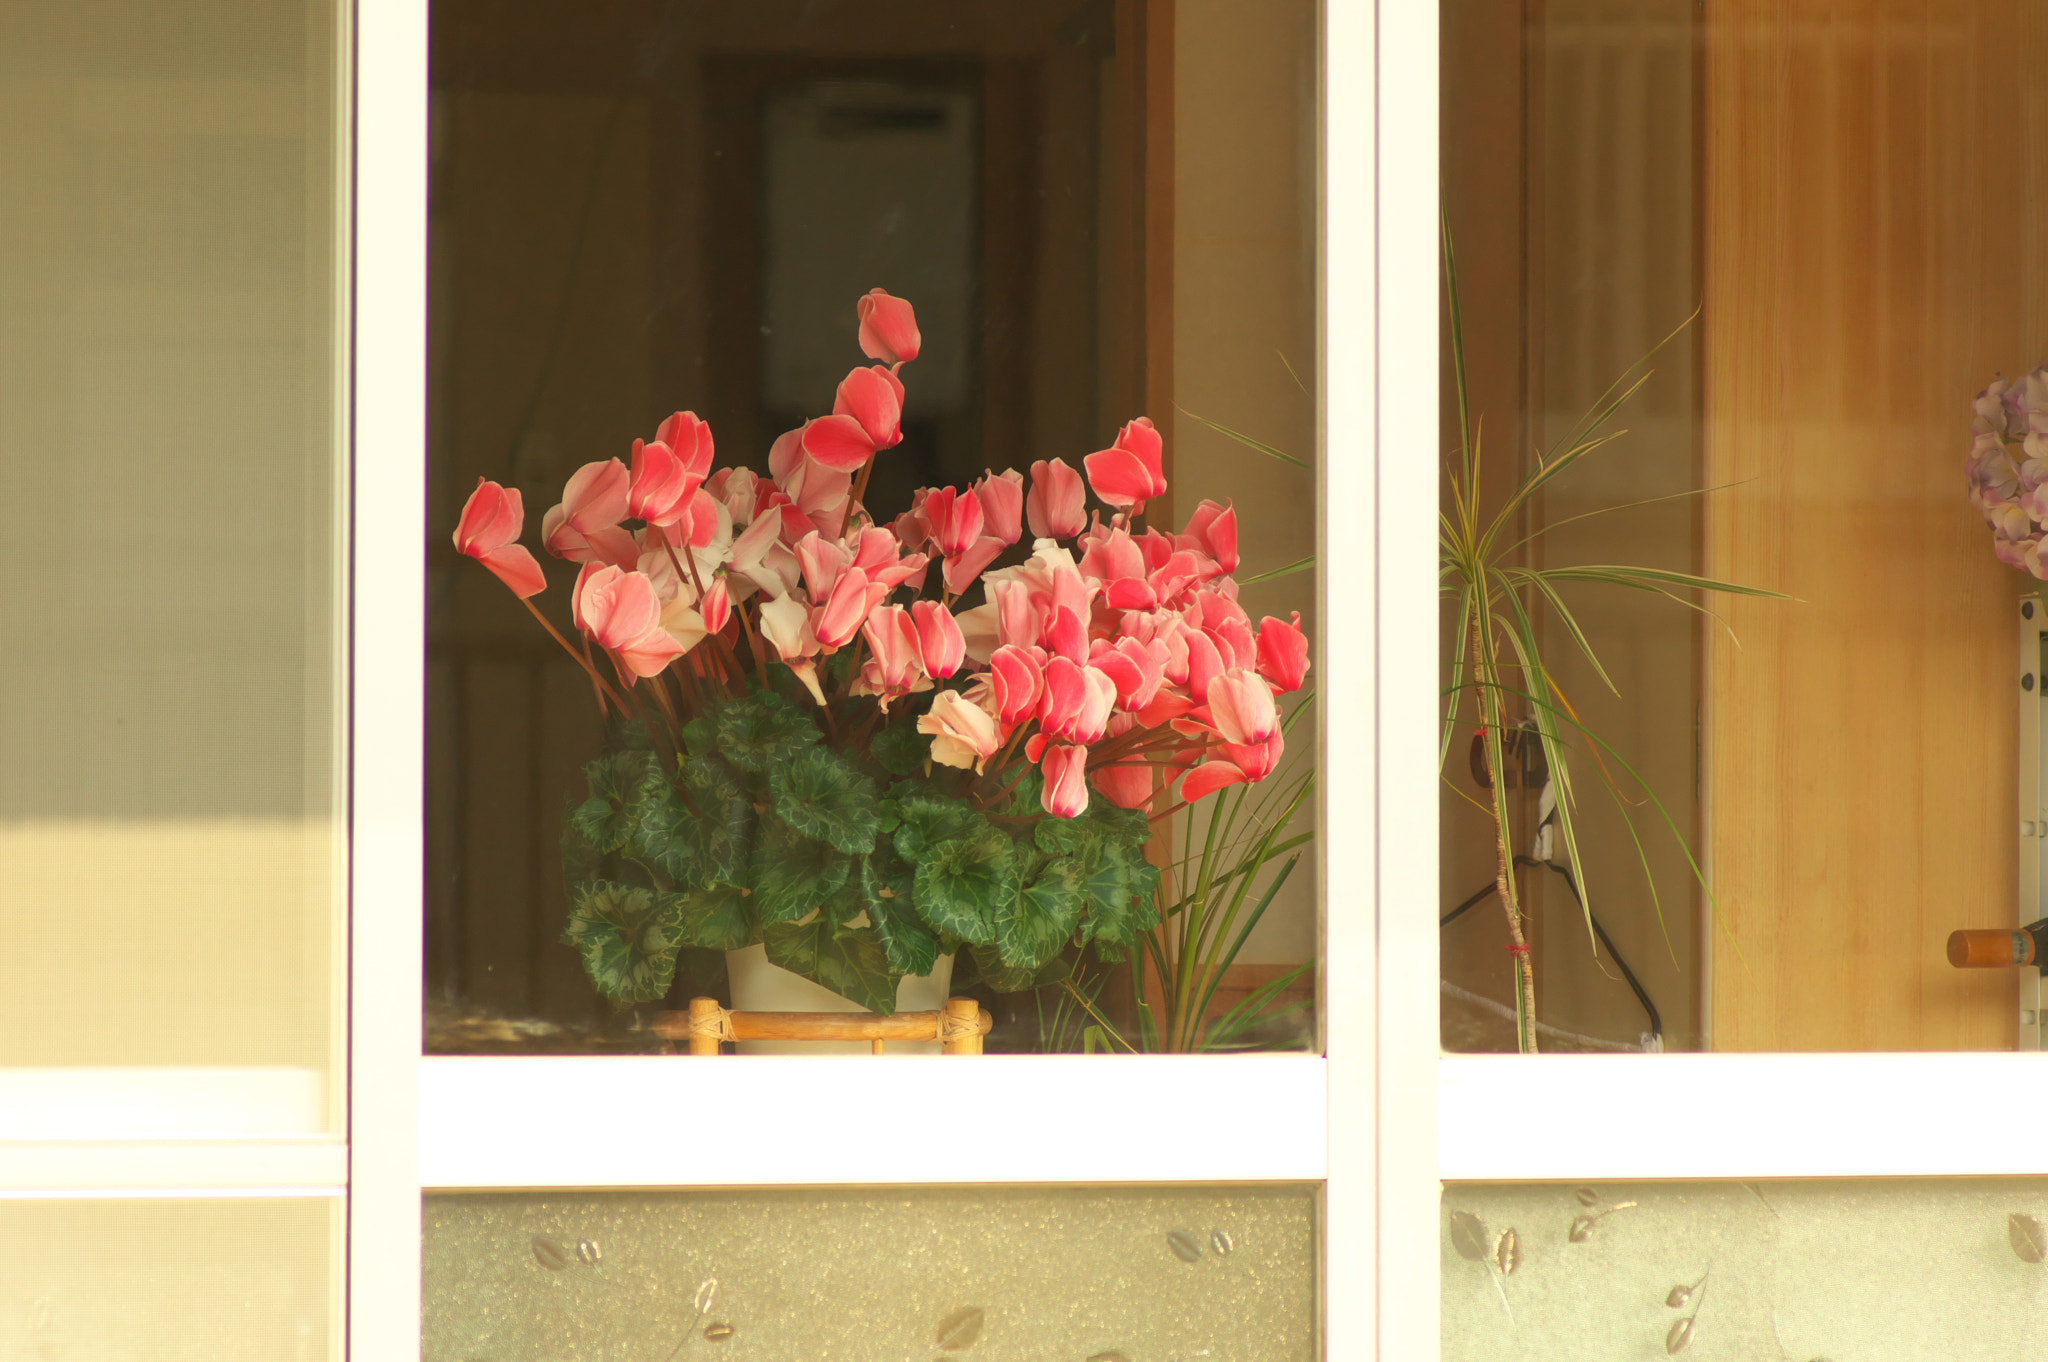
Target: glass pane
1006	1272
1783	191
1092	213
170	377
1805	1270
253	1279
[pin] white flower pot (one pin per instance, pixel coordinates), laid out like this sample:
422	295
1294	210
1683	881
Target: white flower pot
758	986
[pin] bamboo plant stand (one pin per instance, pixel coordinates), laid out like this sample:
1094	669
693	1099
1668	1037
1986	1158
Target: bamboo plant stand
958	1027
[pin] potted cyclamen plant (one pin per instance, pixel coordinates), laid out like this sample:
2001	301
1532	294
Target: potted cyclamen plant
815	757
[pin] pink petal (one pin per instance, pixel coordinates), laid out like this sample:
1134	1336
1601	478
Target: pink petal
517	569
962	570
874	398
888	328
838	442
1209	777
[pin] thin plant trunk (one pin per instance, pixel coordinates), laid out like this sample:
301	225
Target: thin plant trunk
1504	870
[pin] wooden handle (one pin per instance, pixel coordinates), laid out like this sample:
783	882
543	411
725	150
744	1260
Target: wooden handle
706	1021
1984	949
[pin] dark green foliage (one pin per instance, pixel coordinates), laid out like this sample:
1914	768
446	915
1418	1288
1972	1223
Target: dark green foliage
821	795
963	880
696	830
762	832
925	816
628	937
615	781
717	918
900	749
851	964
1037	920
792	874
886	887
1009	979
760	730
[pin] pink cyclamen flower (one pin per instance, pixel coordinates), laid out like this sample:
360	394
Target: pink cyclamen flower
622	614
489	531
1057	503
873	397
1002	505
888	328
1126	783
1213	529
1076	703
690	438
956	519
841	615
1066	784
1128	472
940	646
964	567
1241	707
1283	653
661	486
892	638
584	526
716	606
1016	680
963	733
838	442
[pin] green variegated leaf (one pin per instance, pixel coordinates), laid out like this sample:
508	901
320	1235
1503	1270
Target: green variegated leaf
900	749
907	944
628	939
820	794
605	819
1034	925
1004	979
700	737
962	881
1122	890
793	874
851	964
1026	800
760	730
928	818
699	836
1079	838
717	918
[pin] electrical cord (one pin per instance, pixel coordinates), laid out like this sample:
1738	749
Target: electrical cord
1635	985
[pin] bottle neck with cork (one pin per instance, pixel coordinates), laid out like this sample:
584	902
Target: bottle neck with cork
1981	949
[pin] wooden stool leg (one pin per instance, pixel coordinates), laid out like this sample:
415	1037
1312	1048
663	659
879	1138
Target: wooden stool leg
703	1012
967	1011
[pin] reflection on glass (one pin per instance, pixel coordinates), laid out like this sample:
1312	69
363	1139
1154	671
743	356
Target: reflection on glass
1799	1270
1099	211
253	1279
1152	1273
1610	167
170	313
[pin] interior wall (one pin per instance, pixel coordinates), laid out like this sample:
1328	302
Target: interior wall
1871	260
1243	316
1570	193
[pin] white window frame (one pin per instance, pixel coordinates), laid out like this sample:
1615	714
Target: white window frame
476	1123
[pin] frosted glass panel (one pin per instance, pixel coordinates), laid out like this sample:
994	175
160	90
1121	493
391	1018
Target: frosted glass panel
1799	1270
1138	1274
170	285
244	1280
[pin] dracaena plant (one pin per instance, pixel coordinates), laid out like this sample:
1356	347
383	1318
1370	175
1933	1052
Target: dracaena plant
817	742
1499	675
